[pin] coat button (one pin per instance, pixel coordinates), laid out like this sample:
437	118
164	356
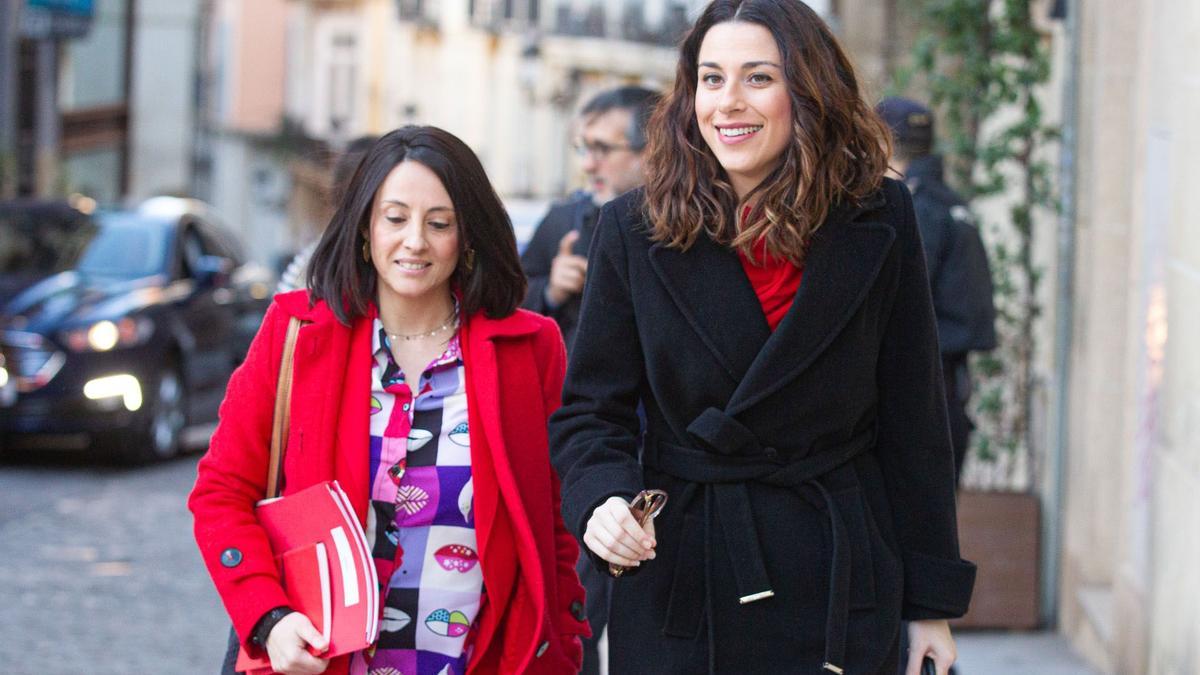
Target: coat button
231	557
577	611
542	649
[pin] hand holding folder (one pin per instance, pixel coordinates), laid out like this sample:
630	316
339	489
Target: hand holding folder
325	567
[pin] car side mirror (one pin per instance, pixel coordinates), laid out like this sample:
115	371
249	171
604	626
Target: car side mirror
211	270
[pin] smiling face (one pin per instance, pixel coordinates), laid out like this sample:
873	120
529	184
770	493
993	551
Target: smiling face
742	102
413	237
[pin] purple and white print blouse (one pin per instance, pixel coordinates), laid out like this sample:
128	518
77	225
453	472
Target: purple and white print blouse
421	523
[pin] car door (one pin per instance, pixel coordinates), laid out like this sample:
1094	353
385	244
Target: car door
249	283
204	304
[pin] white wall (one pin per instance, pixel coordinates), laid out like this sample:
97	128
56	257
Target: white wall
250	191
162	104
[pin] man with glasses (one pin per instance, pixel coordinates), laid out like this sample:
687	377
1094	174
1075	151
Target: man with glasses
612	138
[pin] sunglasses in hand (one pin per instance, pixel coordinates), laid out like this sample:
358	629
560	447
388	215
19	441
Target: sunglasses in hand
644	507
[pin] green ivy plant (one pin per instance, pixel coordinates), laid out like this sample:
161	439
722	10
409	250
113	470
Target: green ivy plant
981	63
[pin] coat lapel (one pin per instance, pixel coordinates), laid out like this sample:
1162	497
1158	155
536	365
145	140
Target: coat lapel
843	261
501	524
491	522
351	422
710	288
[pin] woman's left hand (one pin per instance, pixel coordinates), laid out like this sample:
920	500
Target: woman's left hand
930	638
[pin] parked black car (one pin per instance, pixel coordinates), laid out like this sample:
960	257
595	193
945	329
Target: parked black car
119	329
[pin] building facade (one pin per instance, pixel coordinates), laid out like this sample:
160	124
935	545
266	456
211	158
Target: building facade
290	83
1130	597
243	152
507	77
1116	422
65	88
96	97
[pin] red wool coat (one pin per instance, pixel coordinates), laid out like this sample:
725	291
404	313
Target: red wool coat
533	615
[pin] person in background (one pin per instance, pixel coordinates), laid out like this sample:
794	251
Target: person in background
764	297
424	391
610	145
294	274
612	139
959	276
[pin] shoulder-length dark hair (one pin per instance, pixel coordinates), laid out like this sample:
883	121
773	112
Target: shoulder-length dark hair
839	149
495	284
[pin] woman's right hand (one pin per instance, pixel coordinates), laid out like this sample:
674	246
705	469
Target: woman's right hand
287	642
614	534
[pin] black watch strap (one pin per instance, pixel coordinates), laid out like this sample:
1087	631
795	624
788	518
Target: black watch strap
263	628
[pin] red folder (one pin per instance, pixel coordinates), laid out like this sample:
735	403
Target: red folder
305	575
325	566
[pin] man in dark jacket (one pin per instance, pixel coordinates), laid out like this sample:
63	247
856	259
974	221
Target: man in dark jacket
612	138
959	277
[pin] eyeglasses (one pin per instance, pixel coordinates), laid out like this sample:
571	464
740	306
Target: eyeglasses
644	508
598	149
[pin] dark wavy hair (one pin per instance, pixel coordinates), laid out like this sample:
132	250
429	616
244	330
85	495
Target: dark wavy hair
338	274
838	153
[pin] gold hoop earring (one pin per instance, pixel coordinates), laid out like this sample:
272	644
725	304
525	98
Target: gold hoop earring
469	259
366	249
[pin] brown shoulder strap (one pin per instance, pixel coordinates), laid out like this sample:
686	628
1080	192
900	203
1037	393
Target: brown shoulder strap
283	398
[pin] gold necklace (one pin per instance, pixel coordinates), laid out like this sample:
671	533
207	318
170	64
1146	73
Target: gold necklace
450	321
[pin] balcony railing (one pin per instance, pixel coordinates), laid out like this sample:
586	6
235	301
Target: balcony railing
593	20
424	12
625	20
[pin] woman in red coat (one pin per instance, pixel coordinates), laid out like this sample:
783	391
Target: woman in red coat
424	392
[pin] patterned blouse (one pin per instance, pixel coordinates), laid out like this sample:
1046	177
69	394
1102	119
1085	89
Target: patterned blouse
421	523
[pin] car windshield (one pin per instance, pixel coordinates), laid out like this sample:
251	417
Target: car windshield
40	242
127	246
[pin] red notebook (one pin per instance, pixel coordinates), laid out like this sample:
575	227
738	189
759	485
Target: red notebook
326	568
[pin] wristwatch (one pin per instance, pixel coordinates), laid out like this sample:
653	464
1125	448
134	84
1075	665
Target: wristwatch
263	628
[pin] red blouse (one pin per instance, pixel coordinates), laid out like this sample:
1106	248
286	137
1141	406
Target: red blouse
775	282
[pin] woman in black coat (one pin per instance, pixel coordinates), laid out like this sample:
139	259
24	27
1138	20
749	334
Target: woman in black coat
765	299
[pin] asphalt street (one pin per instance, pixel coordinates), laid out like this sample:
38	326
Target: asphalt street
99	572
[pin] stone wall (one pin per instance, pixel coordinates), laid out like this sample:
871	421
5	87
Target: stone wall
1130	578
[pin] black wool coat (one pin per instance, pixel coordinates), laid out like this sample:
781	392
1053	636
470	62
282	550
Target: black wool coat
959	275
577	213
809	469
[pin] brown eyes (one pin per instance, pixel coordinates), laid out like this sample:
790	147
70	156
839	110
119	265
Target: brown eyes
713	79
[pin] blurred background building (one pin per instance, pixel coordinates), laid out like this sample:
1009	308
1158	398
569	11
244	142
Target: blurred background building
286	83
244	103
97	97
1130	596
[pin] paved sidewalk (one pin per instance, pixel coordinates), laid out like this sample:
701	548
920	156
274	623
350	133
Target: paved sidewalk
995	653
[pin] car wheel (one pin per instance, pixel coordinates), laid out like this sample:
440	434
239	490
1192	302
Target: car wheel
161	430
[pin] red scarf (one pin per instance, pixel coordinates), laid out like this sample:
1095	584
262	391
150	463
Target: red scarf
775	280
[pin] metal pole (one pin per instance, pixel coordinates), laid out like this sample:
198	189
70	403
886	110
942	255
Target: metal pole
8	98
47	124
1056	478
131	25
200	182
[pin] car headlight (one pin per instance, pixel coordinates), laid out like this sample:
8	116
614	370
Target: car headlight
103	336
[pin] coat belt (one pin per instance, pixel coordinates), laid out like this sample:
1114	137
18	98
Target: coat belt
723	479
